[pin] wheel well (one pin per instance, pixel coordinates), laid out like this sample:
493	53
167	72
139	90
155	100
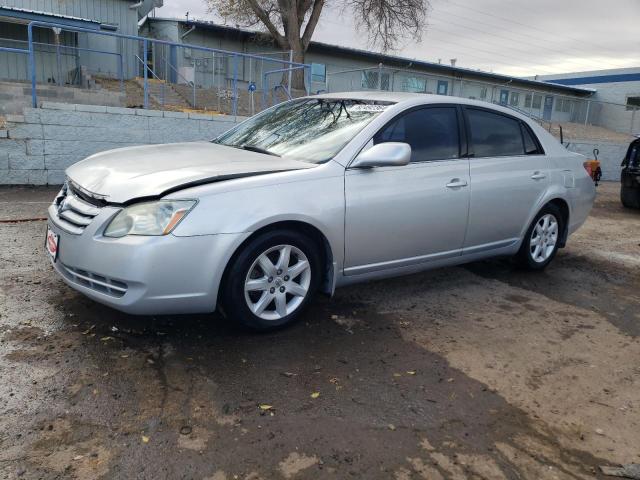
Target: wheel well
564	208
312	232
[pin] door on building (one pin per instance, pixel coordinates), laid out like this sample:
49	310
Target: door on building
504	97
443	87
422	206
548	105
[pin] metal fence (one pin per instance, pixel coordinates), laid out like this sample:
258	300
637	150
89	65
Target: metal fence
163	74
546	107
169	75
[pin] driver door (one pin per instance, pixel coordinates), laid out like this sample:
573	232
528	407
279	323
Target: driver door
407	215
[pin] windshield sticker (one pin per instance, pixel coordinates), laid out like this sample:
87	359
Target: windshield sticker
367	108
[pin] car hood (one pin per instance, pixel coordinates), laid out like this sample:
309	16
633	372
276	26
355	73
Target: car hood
124	174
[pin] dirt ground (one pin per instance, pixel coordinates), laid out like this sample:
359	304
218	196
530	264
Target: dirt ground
480	372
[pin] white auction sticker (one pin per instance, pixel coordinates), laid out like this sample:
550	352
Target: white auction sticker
367	108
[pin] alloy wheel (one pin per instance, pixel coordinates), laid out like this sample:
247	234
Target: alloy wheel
277	283
544	238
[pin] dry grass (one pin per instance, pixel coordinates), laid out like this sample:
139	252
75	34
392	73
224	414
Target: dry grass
589	133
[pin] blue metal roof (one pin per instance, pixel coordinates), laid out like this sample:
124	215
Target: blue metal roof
606	78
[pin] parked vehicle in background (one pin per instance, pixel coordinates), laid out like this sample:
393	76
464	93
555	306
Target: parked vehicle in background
313	194
630	176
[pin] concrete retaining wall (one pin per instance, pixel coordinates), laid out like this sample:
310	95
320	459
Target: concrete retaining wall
610	156
16	96
36	147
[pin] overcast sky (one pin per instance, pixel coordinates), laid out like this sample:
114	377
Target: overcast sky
514	37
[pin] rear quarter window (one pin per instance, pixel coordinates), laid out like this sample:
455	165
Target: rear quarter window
531	143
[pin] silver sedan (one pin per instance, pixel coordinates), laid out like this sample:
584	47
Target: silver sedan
310	195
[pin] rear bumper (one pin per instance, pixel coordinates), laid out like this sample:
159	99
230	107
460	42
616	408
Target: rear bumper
145	275
581	200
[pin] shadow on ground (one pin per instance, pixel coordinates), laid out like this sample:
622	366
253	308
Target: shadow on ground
189	396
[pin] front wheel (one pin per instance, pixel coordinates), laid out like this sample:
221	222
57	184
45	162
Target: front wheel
271	280
541	241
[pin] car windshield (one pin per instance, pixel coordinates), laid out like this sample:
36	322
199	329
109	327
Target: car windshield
311	130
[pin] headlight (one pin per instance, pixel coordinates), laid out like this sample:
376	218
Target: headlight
152	218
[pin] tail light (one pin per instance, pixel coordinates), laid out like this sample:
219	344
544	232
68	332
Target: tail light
587	167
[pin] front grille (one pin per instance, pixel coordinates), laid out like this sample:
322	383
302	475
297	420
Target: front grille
99	283
72	213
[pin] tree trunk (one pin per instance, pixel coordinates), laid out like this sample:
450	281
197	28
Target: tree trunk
298	75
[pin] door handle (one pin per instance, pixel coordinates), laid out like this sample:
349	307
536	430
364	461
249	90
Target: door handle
456	183
538	176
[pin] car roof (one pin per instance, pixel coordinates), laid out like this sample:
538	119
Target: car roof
375	96
421	98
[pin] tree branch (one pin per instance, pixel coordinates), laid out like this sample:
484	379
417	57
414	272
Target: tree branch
264	18
312	22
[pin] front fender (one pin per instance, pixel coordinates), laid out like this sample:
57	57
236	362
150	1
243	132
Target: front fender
318	202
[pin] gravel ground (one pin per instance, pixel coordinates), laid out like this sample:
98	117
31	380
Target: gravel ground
482	372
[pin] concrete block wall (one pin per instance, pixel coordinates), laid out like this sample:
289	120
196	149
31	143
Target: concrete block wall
37	146
16	96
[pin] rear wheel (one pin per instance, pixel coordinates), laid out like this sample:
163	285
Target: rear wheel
630	197
271	280
629	190
542	239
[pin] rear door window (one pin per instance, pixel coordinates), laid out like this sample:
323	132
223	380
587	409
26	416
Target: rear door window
431	132
494	135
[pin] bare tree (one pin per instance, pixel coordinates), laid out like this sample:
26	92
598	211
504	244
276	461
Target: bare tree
291	23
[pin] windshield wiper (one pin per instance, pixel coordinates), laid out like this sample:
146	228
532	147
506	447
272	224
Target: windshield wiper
253	148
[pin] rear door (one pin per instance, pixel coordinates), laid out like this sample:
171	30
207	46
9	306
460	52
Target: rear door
509	174
400	216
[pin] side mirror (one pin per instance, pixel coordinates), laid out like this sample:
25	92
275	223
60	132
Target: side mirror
390	154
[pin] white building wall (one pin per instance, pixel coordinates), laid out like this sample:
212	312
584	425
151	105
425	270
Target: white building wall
608	106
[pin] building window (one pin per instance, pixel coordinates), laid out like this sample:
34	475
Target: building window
514	100
537	101
384	81
533	101
443	87
318	72
483	93
633	103
414	84
370	80
563	105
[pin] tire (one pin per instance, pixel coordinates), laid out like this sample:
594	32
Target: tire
630	197
530	256
260	295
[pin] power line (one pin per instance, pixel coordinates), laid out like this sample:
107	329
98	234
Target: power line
565	37
565	50
576	62
473	54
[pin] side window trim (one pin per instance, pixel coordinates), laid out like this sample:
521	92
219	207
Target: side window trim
462	136
470	146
